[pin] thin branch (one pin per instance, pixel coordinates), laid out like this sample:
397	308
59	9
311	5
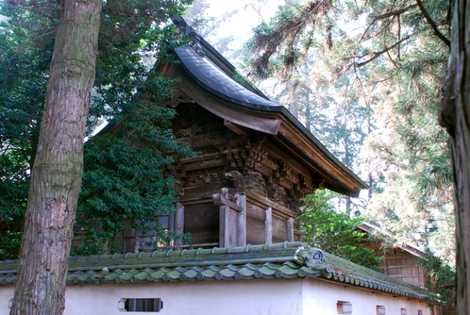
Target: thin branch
377	54
394	12
391	59
432	23
386	15
399	37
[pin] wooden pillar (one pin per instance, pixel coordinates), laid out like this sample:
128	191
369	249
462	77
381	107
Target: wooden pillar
224	224
268	226
290	229
179	222
241	222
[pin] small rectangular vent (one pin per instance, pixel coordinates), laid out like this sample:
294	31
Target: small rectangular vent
344	307
380	310
141	305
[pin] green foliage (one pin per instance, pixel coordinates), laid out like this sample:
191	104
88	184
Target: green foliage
10	242
126	181
441	278
130	41
282	43
334	232
24	64
369	87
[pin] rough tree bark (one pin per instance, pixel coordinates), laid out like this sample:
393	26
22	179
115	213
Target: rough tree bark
56	174
455	117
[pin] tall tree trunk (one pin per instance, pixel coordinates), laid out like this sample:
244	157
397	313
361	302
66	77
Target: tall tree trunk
455	117
56	176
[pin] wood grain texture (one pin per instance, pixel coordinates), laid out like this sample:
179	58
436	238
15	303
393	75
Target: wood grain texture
268	227
56	174
455	117
241	222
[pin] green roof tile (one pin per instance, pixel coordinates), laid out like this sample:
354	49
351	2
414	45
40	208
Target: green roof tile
246	272
208	274
190	274
266	270
288	271
227	273
281	260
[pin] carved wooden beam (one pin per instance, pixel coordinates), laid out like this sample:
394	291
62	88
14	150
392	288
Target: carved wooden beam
264	202
239	130
222	199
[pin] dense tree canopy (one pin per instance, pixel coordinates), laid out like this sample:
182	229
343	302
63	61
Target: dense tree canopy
130	40
366	77
334	232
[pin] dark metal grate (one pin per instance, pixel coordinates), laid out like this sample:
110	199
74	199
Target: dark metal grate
143	304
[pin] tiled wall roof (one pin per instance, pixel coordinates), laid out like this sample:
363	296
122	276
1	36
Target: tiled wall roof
278	261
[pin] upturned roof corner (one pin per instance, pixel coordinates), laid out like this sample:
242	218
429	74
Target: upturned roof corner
216	75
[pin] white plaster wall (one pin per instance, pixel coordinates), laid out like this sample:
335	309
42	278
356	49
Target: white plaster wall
249	297
258	297
320	297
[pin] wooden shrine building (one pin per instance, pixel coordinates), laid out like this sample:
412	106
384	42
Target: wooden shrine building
401	261
238	198
254	161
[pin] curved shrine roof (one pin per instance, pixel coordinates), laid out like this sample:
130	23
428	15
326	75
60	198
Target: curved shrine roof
216	81
215	74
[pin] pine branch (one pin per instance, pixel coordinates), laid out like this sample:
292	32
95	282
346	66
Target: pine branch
377	54
432	23
392	13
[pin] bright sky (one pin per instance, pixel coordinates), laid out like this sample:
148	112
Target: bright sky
243	17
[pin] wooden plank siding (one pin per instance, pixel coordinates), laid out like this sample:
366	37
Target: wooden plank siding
401	265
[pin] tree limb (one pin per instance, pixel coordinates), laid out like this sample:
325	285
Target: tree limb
393	13
377	54
432	23
386	15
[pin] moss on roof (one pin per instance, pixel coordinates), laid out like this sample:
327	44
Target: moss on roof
282	261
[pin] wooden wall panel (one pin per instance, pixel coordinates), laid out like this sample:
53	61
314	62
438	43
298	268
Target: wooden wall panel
279	230
254	230
403	266
233	223
202	222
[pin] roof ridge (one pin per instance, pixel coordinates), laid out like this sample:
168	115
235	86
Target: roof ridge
167	252
227	67
170	256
